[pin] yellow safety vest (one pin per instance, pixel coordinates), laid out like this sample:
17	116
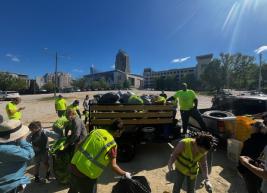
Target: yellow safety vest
60	104
186	163
159	100
91	157
73	107
61	122
134	99
12	111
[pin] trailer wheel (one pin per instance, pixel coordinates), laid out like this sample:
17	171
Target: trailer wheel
126	152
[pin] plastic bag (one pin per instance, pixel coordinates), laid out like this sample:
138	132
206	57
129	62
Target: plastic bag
138	184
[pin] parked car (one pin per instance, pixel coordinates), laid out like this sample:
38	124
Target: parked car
8	95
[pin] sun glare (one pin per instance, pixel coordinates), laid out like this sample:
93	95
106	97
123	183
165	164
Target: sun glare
235	15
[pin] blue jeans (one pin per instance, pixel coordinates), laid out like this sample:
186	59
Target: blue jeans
190	183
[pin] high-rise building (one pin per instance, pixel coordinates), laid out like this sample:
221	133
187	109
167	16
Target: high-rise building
122	62
40	81
119	75
202	61
151	76
63	80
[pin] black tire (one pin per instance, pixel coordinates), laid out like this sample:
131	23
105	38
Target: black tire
126	152
218	114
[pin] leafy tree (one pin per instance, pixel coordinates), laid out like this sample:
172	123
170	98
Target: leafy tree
49	87
8	82
192	81
226	65
212	75
243	70
103	84
126	84
79	83
95	85
264	75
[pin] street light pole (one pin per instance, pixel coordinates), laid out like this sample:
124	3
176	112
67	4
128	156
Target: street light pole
55	83
260	76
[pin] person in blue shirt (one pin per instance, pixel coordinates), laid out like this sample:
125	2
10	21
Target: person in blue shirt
15	152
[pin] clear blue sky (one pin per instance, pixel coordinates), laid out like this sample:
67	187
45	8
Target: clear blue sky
152	32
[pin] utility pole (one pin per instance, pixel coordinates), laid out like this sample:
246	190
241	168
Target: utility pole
55	82
260	76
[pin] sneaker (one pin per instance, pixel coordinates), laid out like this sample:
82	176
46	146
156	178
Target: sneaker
48	176
37	179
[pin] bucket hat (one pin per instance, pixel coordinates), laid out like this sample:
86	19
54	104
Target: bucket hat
12	130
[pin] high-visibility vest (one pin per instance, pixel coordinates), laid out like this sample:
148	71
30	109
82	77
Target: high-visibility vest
91	157
61	122
73	107
186	163
60	104
159	100
12	111
134	99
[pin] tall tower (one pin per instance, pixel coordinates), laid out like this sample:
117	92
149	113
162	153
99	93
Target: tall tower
202	61
122	62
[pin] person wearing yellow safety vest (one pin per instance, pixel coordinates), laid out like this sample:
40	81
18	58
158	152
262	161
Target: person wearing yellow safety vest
59	125
188	155
92	156
12	111
75	106
188	103
60	105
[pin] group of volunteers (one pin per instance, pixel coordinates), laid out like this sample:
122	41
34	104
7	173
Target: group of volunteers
92	152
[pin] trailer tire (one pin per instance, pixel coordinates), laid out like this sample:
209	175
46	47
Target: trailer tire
218	114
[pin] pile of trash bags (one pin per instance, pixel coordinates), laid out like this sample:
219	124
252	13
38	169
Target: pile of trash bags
138	184
129	97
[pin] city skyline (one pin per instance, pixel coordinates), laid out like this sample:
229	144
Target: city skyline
156	34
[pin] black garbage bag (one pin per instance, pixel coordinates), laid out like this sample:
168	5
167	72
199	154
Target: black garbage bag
124	98
138	184
109	98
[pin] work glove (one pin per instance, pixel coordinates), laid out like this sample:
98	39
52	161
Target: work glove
128	175
170	167
208	185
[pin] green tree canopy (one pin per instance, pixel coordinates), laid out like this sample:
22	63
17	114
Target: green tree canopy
8	82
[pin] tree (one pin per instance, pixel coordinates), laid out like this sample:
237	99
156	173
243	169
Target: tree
212	75
243	70
126	84
226	65
8	82
95	85
79	83
49	86
103	84
192	81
